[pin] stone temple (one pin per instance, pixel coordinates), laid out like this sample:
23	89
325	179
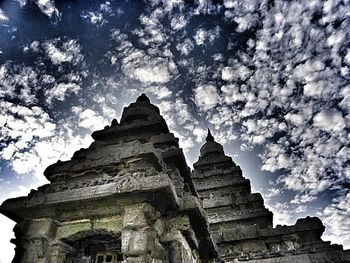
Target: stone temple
130	197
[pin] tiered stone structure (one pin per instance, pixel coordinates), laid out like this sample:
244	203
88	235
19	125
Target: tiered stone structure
130	198
242	226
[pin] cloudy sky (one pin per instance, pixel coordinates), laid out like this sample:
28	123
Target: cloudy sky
271	78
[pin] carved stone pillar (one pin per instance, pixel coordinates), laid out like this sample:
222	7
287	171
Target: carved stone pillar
32	240
140	236
179	250
35	249
59	251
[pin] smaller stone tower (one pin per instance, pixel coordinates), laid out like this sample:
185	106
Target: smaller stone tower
242	226
225	193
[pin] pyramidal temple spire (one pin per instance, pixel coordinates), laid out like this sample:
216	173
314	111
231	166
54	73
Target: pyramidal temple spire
143	98
210	137
211	146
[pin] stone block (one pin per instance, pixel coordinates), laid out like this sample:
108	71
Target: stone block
139	242
69	228
113	224
139	215
40	228
143	259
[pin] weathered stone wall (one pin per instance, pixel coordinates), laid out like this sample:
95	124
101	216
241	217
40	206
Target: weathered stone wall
146	236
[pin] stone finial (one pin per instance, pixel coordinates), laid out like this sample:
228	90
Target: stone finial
114	123
210	137
143	98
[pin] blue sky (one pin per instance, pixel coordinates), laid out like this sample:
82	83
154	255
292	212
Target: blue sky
270	79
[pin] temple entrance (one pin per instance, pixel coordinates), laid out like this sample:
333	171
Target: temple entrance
94	248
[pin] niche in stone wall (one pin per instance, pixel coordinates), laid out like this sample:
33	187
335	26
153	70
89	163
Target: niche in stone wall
94	247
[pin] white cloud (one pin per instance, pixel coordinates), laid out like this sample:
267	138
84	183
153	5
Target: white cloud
199	133
48	8
295	119
336	217
178	22
303	198
139	66
94	18
24	127
176	113
68	51
99	17
61	90
206	97
273	192
185	47
185	142
238	72
203	36
152	30
282	213
151	73
315	88
301	209
160	92
36	141
3	16
89	119
329	120
232	94
229	3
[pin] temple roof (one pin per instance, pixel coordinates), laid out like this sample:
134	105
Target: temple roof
141	118
211	146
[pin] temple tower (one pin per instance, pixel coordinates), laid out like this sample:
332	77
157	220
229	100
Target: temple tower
242	226
128	198
226	196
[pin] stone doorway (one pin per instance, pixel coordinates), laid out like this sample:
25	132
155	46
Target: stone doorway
94	248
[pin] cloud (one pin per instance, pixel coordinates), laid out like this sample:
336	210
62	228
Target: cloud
273	192
206	96
178	22
150	73
329	120
284	91
140	66
160	92
48	8
203	36
337	220
304	198
282	213
60	91
63	51
89	119
3	16
98	17
22	126
18	82
35	140
185	47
